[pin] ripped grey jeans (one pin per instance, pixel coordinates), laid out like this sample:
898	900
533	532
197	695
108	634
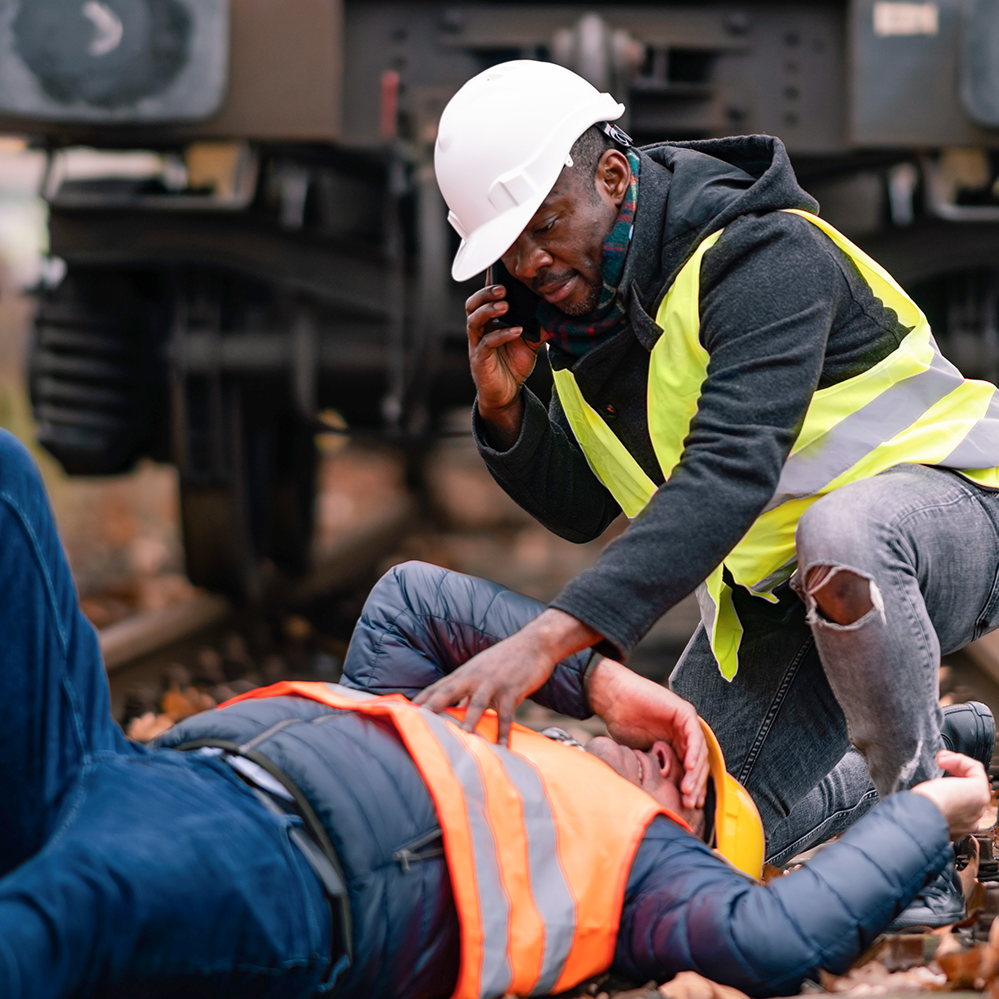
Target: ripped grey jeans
925	544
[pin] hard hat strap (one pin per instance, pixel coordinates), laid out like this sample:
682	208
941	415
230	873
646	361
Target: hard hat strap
618	135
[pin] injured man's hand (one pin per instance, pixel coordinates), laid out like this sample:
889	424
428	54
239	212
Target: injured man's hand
639	713
961	797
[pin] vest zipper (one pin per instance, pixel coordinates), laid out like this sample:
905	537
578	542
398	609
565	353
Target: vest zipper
415	852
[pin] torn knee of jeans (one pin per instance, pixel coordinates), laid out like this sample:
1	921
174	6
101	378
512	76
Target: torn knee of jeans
840	595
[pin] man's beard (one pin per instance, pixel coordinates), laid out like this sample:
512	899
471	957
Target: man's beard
584	307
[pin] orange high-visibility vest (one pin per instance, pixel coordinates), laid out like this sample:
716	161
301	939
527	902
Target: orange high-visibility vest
538	838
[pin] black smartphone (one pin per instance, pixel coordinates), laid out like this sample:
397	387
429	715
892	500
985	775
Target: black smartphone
523	304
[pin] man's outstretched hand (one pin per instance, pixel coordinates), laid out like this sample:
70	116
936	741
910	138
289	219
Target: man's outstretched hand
961	798
506	673
637	712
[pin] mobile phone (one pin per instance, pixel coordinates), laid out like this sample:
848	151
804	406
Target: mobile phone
523	305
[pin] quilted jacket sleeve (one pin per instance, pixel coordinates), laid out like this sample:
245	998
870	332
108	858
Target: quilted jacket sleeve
421	622
686	910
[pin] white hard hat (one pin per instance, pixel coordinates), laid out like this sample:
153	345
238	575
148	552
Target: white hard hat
502	142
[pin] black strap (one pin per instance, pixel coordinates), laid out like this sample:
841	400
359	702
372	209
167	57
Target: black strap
336	889
616	133
318	838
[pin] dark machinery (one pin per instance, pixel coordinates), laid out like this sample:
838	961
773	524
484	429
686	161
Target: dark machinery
280	247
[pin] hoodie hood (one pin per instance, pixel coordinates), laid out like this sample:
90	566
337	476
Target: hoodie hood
688	190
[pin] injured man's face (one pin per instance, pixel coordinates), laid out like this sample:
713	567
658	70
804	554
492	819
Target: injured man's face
657	771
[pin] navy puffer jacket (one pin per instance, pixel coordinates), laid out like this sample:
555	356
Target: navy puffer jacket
684	909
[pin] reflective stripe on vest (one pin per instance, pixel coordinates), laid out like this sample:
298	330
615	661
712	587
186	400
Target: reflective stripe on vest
538	874
912	406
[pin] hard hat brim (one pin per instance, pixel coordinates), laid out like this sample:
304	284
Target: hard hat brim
716	761
745	846
490	241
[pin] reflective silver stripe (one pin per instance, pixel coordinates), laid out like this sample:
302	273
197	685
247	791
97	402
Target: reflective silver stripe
495	975
830	455
980	448
354	695
706	606
555	902
778	576
256	774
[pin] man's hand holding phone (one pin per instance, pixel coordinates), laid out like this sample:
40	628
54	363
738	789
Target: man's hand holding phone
500	360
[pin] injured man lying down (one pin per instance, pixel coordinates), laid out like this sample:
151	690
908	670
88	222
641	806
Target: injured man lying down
312	838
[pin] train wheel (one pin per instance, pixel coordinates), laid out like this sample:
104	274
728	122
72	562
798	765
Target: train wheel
215	511
262	512
951	269
96	377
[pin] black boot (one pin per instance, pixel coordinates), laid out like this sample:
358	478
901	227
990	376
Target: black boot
940	903
969	729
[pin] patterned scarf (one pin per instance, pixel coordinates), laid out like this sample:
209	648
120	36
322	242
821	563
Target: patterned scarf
577	335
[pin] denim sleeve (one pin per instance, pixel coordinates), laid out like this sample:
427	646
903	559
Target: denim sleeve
685	910
421	622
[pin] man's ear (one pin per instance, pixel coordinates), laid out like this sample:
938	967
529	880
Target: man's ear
668	763
613	175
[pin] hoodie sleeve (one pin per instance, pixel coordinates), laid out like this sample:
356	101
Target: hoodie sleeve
546	473
770	294
685	910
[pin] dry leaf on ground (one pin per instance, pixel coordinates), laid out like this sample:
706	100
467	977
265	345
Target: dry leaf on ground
147	727
902	951
874	979
950	942
180	704
975	900
969	874
990	954
963	968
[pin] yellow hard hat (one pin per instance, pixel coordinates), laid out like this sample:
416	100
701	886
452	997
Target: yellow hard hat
738	830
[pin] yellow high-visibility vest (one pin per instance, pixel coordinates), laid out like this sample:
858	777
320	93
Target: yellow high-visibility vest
538	880
912	406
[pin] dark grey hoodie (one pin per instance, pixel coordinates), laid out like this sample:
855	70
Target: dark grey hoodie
783	312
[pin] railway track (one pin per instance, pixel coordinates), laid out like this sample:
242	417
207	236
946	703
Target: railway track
298	630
